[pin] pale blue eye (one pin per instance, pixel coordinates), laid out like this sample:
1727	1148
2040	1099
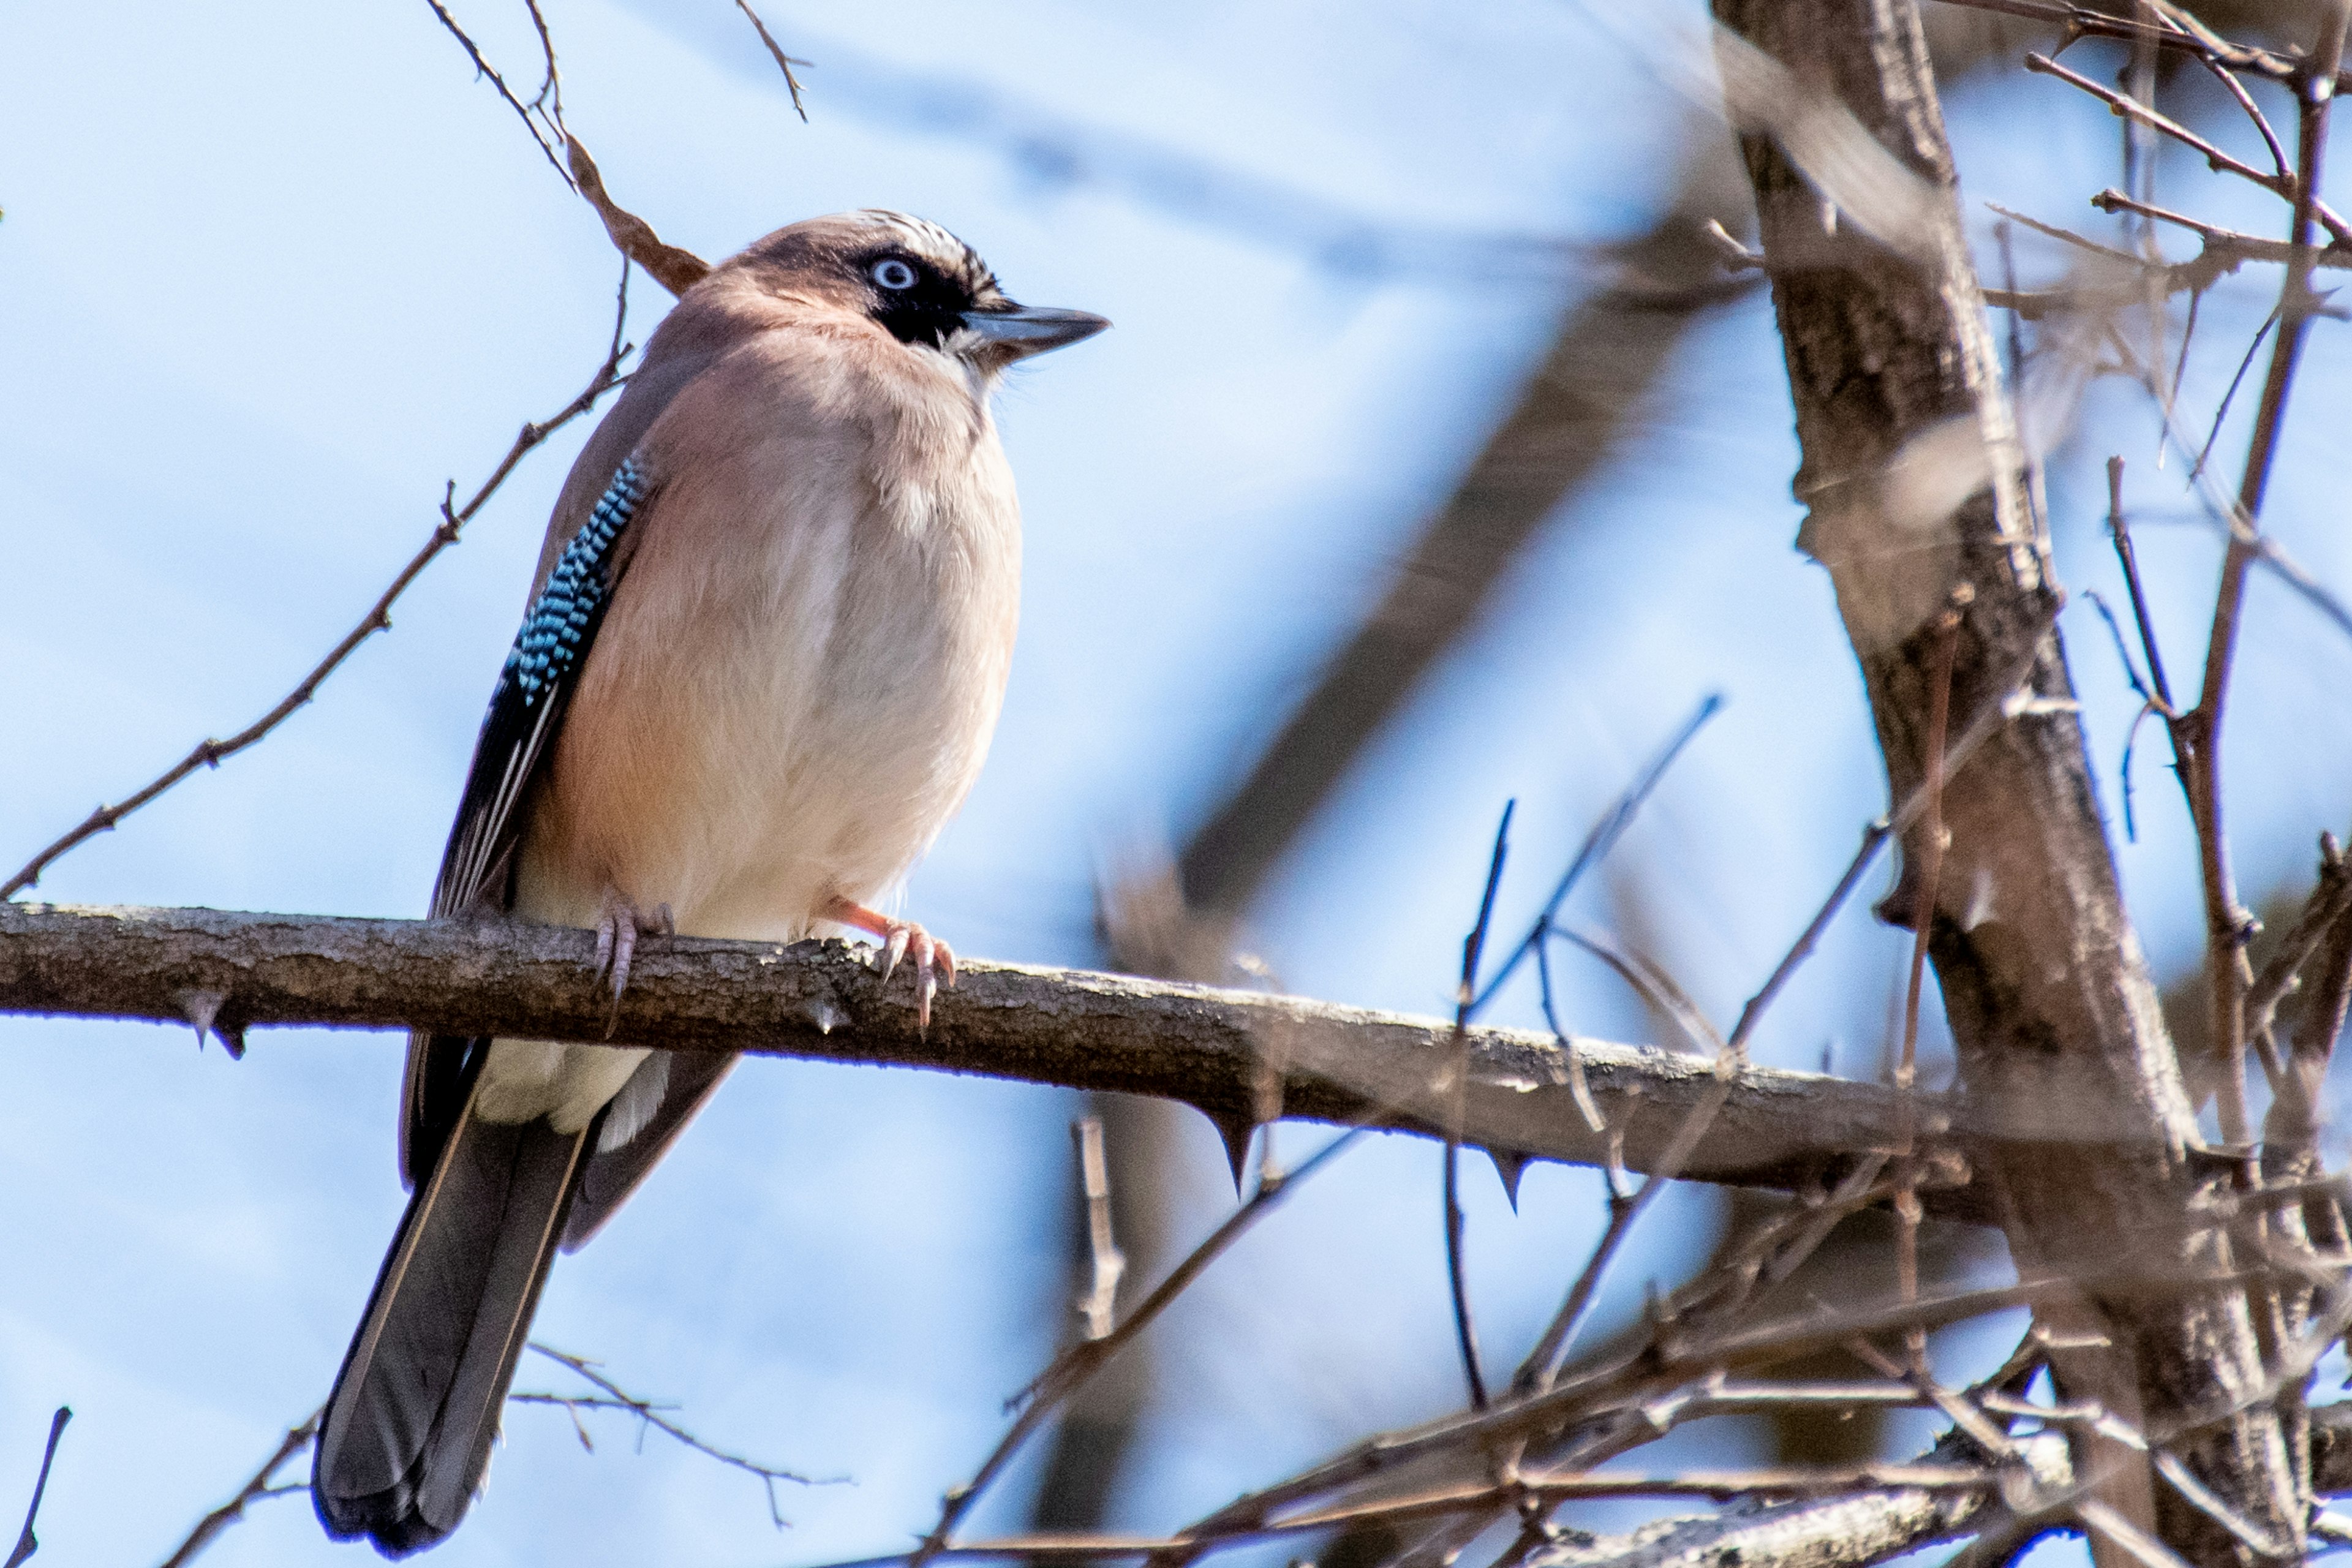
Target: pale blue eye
893	273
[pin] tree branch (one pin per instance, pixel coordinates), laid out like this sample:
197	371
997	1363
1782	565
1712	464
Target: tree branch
1071	1027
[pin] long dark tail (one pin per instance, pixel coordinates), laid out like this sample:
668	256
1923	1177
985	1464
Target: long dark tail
408	1430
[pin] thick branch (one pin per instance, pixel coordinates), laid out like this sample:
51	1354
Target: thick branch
1069	1027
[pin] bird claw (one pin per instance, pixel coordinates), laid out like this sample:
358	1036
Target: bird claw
933	959
893	948
618	926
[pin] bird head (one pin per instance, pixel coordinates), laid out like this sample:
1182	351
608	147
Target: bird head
917	282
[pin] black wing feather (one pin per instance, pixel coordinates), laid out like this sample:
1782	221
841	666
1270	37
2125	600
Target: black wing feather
518	738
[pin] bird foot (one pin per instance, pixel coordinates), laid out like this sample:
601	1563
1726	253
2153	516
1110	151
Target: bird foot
934	960
618	926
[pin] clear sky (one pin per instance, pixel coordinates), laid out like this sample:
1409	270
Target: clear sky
270	274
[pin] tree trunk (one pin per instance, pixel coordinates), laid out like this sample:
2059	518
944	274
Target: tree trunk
2064	1060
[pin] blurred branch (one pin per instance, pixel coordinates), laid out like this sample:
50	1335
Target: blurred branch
263	1484
2197	735
2083	22
1053	155
2287	186
1609	351
1077	1363
821	1000
1099	1306
212	754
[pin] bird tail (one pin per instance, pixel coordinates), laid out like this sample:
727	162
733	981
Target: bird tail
408	1430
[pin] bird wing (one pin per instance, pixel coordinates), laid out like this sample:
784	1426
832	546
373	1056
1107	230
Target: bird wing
673	1086
517	742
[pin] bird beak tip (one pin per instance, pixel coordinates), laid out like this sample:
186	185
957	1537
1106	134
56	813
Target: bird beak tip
1026	330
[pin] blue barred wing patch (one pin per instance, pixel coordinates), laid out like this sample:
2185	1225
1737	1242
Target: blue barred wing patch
534	688
554	635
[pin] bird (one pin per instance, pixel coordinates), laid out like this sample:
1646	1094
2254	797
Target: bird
761	661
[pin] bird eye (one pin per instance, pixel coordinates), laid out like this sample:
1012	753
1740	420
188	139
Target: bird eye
893	273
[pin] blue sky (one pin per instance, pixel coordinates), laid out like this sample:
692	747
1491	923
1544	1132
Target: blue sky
269	276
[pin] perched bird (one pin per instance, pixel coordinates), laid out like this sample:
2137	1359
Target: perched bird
761	666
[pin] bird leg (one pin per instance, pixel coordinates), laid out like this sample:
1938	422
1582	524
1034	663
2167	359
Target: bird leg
618	926
934	959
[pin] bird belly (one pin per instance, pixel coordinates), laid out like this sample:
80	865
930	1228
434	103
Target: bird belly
568	1084
793	727
791	693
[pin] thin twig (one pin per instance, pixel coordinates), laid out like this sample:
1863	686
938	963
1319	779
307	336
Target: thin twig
2198	733
483	68
650	1415
1659	1359
2223	250
1543	1364
2119	532
1536	1487
2084	22
1601	840
1070	1370
1907	1069
785	62
212	754
2245	102
2288	186
550	102
263	1484
1474	946
26	1541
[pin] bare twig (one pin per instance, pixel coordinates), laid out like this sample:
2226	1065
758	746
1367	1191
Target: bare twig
2225	249
263	1484
2198	734
1933	838
1070	1370
1600	840
651	1415
2288	186
26	1541
2084	22
2221	411
1474	946
549	99
785	62
212	754
482	67
2119	532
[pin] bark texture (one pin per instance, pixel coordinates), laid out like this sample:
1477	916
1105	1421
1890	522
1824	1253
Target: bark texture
2064	1060
1202	1047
